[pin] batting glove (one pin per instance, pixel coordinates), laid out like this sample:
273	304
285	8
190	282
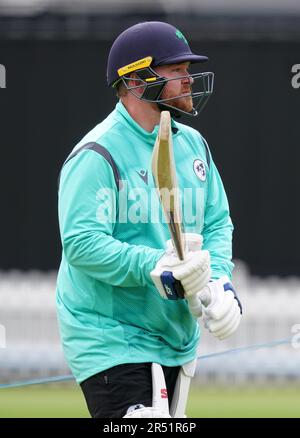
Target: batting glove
176	278
222	315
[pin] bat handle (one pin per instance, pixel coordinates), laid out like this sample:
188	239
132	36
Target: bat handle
195	244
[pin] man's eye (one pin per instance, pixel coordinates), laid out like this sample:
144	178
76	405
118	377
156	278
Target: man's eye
181	72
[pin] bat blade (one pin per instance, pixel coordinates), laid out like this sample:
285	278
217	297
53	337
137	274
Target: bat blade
164	174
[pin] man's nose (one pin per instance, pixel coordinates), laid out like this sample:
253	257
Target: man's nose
188	80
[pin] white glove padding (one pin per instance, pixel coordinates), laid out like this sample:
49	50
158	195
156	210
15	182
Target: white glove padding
147	413
222	316
176	278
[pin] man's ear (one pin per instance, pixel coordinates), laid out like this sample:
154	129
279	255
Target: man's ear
135	82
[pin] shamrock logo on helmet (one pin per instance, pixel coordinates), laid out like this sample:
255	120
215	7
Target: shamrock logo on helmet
181	36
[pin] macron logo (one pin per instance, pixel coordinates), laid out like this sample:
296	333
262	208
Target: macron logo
143	174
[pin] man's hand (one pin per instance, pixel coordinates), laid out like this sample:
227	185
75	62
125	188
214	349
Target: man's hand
222	315
216	301
176	278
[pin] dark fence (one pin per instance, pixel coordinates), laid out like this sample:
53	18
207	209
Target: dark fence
56	91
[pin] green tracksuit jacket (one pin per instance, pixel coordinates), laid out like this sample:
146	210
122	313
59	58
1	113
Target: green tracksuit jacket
113	233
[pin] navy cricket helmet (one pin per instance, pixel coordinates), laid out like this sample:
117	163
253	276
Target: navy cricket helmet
144	46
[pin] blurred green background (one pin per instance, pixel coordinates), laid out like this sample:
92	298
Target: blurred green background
55	401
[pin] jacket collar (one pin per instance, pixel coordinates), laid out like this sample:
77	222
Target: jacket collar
149	137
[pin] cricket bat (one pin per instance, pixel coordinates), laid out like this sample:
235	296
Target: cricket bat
164	174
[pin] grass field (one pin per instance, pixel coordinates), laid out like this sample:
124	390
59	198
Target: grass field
67	401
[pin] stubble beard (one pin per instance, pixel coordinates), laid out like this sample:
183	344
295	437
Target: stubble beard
182	103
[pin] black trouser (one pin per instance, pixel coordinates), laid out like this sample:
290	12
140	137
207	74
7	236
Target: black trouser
110	393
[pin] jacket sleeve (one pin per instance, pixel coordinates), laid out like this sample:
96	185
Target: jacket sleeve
88	210
218	228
